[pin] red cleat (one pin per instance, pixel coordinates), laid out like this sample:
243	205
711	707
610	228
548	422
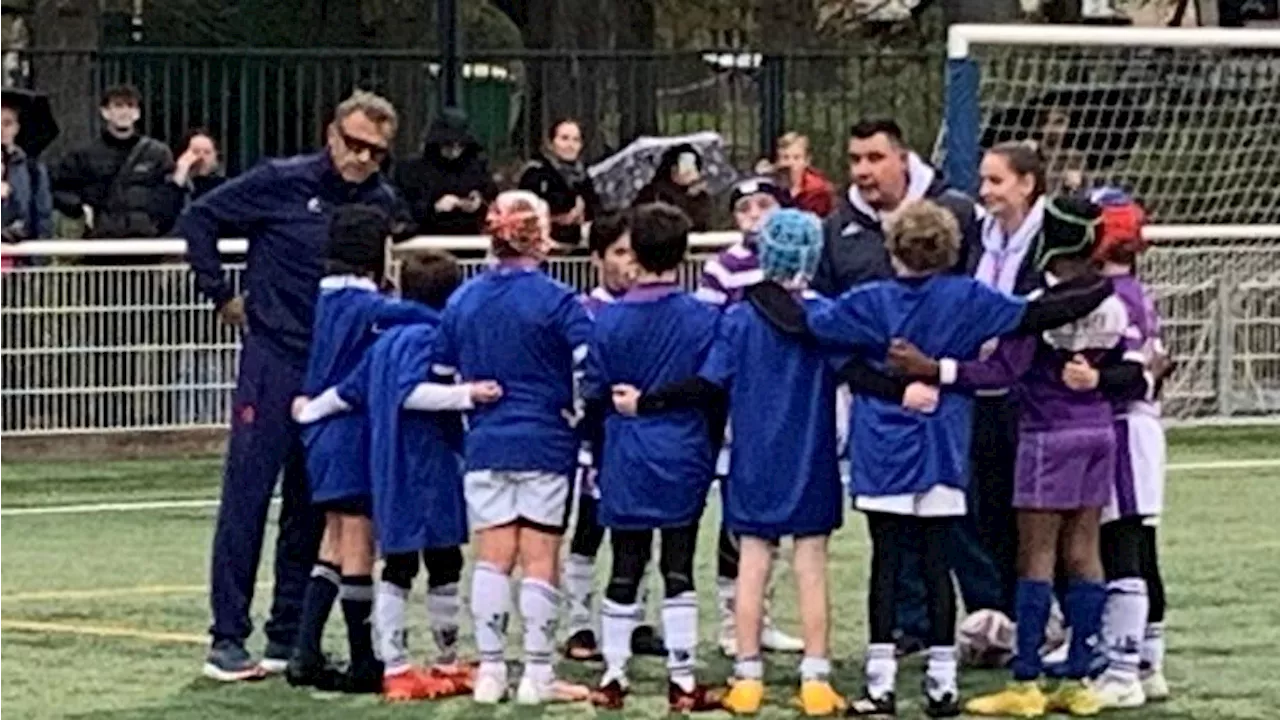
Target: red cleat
462	674
610	697
701	699
418	684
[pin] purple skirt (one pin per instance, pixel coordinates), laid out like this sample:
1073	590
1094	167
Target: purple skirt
1068	469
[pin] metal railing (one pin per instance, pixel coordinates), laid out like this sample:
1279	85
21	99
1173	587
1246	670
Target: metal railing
134	348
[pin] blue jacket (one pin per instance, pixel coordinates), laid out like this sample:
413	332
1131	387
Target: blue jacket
28	211
283	207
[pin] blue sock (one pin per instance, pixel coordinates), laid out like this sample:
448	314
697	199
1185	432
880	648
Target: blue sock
1084	605
1033	601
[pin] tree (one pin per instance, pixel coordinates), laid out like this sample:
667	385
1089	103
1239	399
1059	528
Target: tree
67	78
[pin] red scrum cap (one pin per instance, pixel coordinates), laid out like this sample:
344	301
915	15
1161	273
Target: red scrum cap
1121	226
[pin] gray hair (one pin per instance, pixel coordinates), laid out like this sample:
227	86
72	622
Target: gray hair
374	106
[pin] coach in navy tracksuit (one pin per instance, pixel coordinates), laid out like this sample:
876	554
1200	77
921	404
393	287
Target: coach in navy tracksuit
283	207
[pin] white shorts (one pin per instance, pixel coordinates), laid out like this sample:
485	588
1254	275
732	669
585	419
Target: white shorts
499	497
1140	469
937	501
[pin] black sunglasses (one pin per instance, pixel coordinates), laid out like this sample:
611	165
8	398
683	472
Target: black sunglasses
376	152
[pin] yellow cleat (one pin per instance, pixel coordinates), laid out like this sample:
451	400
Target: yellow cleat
819	699
745	697
1019	699
1075	698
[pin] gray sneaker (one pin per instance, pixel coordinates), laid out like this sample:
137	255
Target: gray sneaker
228	661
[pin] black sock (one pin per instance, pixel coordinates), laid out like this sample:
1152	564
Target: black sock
357	609
317	602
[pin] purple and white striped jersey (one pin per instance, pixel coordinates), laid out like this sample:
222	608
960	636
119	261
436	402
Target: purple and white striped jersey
726	276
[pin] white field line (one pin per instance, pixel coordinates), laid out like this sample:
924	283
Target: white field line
116	507
213	502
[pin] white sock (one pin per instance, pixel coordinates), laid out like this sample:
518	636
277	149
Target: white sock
443	606
940	672
1153	646
726	594
490	611
815	668
1125	620
680	630
388	627
617	622
881	669
540	608
751	668
579	578
647	580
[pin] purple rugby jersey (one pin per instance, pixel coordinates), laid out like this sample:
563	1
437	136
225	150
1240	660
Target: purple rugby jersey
1033	365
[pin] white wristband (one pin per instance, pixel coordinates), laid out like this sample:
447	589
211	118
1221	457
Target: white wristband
947	370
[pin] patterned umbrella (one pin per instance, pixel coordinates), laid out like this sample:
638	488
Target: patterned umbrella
620	177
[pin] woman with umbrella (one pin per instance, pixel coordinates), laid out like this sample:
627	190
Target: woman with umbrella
28	128
679	182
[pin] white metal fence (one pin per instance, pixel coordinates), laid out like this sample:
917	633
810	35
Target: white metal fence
135	348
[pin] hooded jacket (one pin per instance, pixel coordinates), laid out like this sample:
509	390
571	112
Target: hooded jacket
425	179
28	210
854	250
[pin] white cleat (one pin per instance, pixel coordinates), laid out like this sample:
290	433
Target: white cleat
1116	693
774	640
490	689
1155	686
533	692
728	639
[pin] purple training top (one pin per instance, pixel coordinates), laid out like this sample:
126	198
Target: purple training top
1143	338
1034	366
726	276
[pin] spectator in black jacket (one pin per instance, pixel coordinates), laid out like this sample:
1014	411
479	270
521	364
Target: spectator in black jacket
884	174
449	187
196	172
559	176
112	182
679	182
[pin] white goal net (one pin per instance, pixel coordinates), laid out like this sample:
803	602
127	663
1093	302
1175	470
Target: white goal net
1186	119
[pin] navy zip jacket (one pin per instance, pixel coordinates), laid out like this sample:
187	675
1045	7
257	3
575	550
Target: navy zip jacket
283	207
853	252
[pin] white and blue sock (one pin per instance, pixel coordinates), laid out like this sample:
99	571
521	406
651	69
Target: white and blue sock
540	609
443	606
490	612
680	629
1125	620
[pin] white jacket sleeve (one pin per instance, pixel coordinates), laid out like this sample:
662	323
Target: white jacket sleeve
438	396
322	406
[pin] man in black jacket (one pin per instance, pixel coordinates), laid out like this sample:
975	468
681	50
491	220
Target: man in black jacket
111	182
884	174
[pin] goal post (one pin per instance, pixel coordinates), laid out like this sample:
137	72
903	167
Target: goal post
1186	118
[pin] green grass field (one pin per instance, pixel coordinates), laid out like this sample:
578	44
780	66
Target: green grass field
103	612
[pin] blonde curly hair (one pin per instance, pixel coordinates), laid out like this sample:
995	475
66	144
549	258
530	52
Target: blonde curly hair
924	237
